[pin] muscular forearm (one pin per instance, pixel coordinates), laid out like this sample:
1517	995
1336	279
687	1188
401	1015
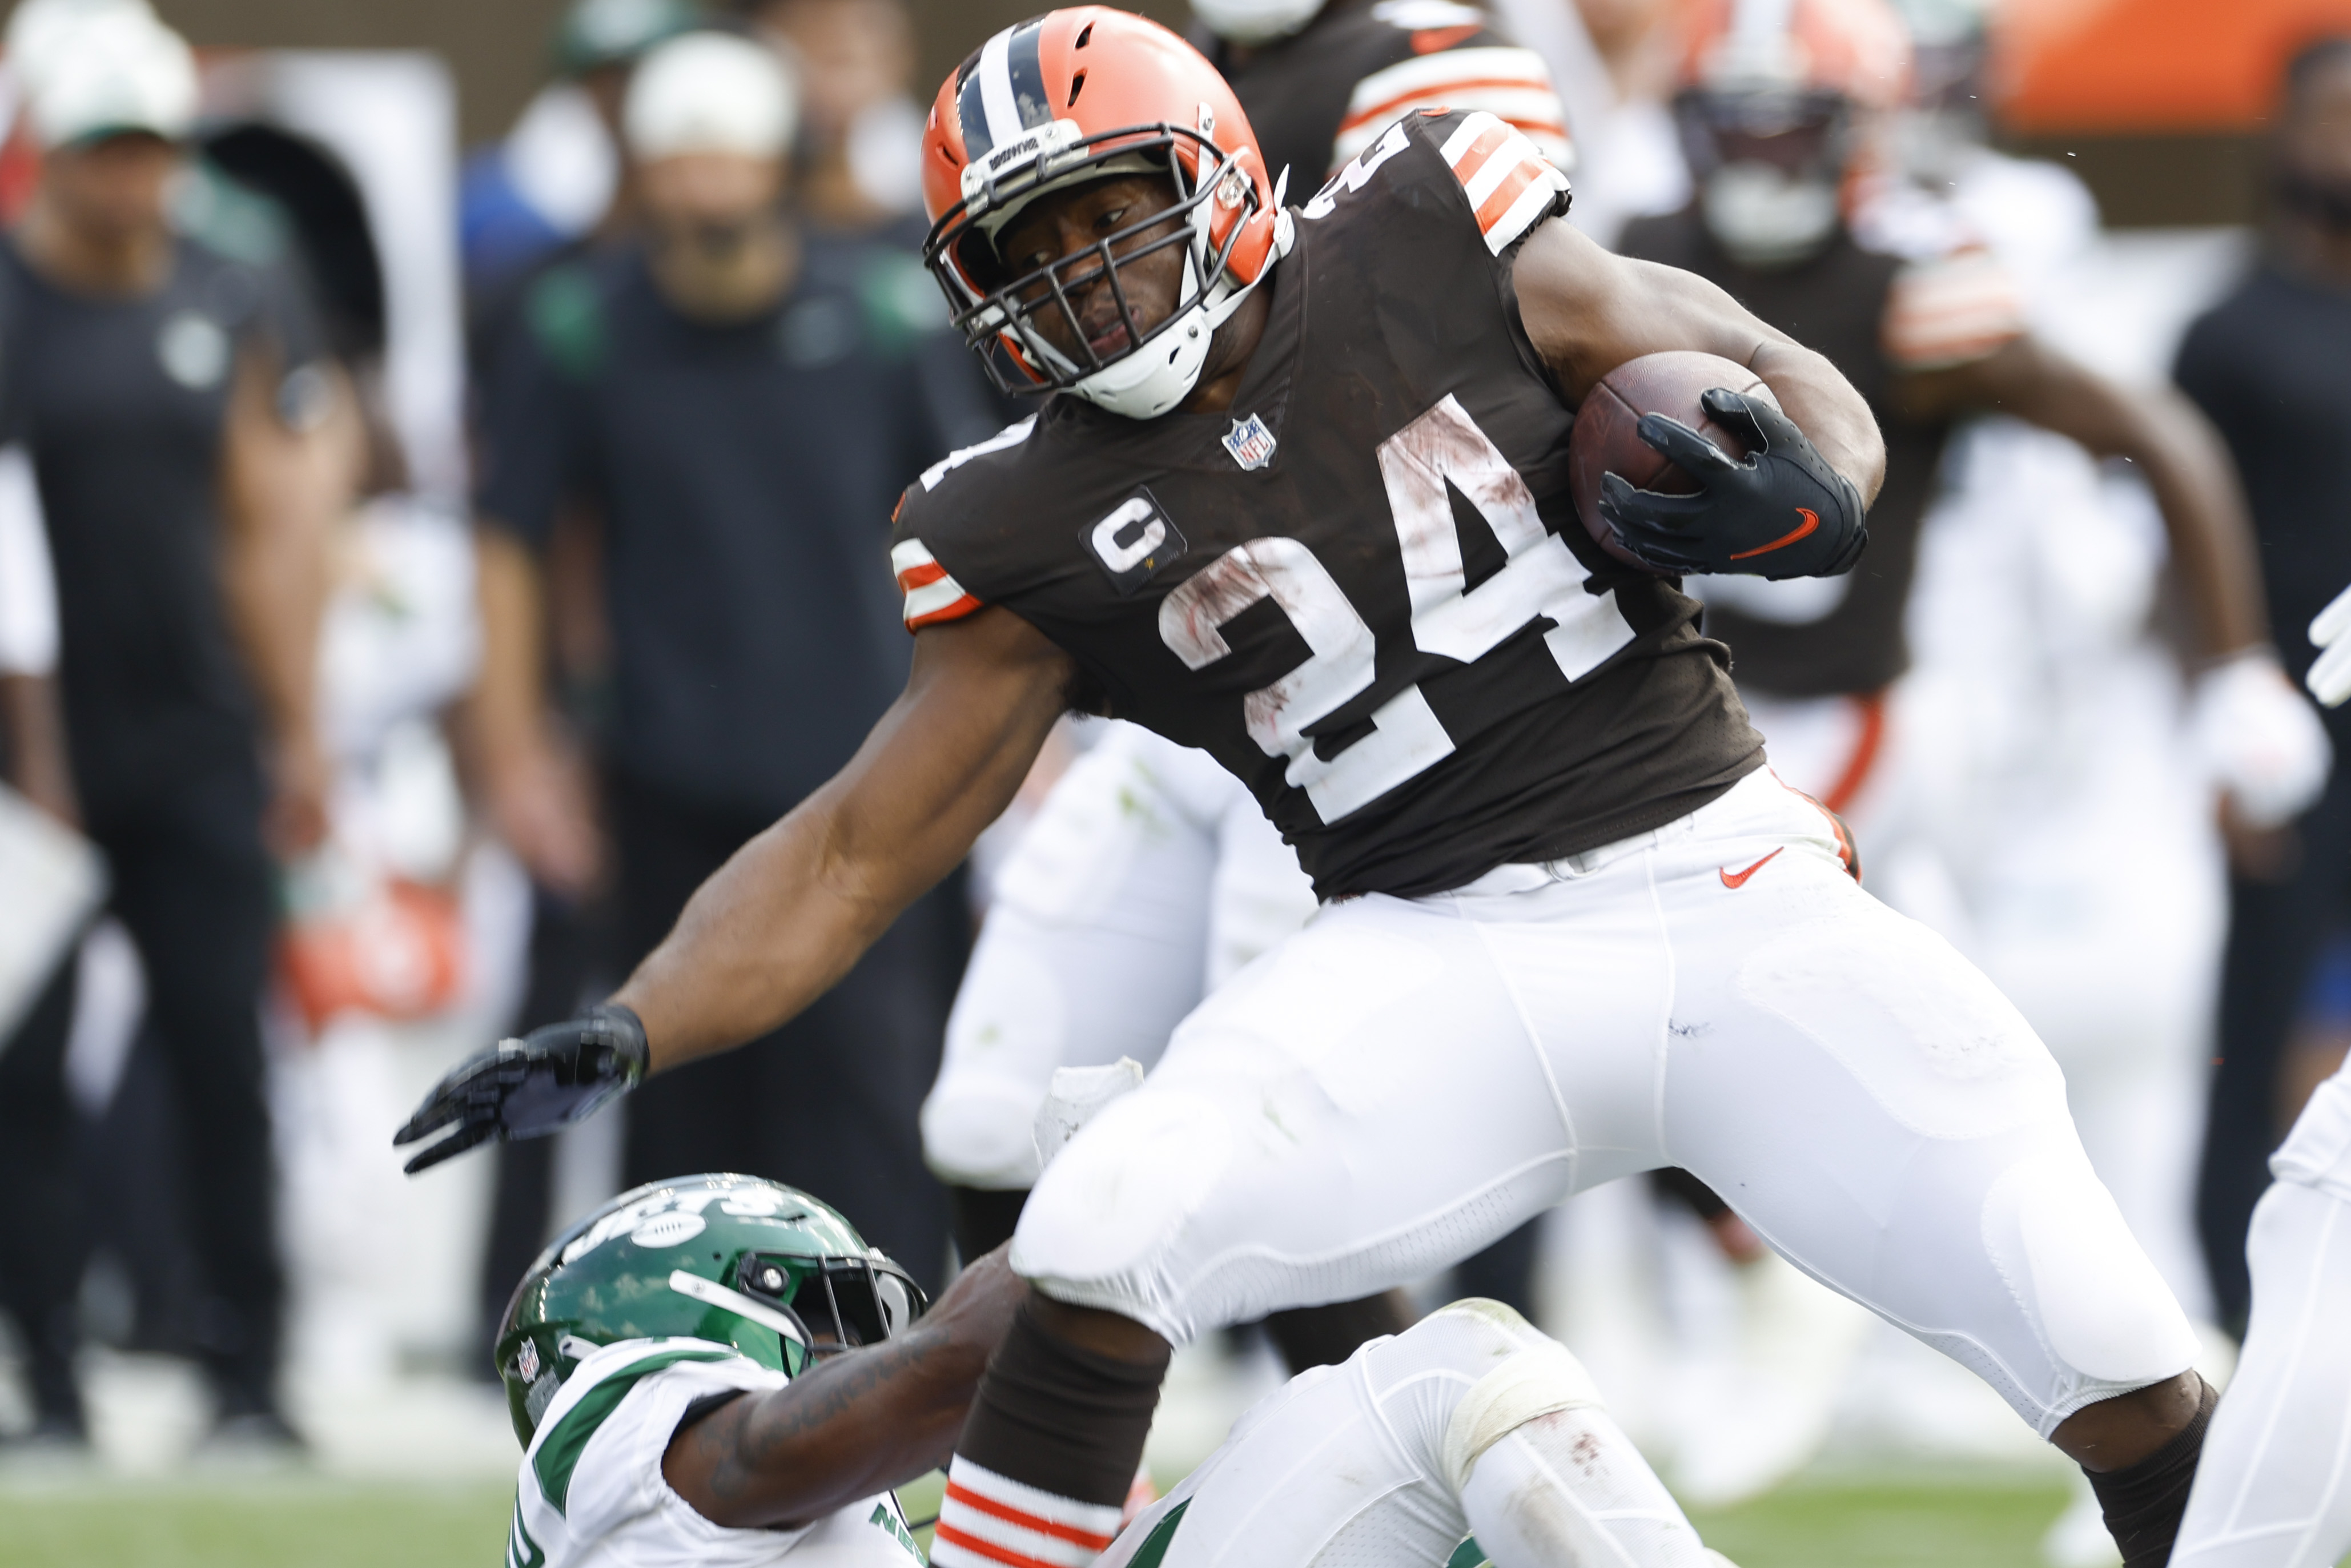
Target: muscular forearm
793	909
276	581
855	1425
1586	312
282	489
1826	409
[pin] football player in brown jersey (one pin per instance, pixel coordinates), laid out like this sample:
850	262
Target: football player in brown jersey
1197	863
1299	497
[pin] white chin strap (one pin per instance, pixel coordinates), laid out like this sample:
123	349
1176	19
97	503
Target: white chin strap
1252	22
1162	373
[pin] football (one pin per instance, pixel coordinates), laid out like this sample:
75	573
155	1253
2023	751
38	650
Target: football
1607	438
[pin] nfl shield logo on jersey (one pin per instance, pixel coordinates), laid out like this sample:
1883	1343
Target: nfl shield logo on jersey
1250	442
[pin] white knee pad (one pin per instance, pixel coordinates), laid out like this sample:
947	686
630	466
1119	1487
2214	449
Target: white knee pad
1545	1476
1539	1381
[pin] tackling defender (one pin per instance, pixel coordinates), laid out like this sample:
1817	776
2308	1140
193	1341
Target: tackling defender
717	1370
1322	529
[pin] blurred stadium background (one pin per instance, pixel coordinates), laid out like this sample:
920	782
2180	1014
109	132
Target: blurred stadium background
2158	106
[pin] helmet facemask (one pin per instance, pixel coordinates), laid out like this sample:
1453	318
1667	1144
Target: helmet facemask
843	1303
1161	362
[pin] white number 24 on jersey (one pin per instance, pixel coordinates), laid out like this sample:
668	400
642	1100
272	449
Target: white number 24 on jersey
1543	579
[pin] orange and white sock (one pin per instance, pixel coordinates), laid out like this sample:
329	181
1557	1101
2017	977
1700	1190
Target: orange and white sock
989	1521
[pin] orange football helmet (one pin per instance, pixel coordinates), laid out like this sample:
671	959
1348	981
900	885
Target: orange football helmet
1070	96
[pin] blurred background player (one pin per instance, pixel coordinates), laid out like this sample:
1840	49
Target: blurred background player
181	437
1784	111
738	415
2265	365
859	157
1319	79
559	179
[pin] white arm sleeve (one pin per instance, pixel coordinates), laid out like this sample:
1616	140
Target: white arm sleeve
29	598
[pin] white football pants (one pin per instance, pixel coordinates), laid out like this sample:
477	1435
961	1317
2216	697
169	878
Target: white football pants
2274	1487
1148	877
1408	1079
1470	1424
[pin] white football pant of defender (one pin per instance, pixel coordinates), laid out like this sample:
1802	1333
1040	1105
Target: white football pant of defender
1472	1423
2274	1487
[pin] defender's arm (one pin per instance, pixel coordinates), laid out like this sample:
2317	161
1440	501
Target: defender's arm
796	907
2204	515
1588	311
855	1425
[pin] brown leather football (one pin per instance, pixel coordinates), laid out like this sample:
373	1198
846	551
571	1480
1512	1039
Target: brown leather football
1607	440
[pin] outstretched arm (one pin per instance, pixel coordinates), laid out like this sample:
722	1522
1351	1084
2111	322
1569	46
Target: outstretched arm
1588	311
2195	484
858	1422
796	907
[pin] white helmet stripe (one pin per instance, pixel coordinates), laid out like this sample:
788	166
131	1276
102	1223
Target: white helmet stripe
713	1293
995	89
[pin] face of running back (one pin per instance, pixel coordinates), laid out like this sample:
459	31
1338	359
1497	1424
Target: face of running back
1068	222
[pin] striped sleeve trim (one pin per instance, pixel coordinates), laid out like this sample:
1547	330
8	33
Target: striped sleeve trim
1951	311
556	1454
1512	84
932	596
989	1521
1012	434
1510	185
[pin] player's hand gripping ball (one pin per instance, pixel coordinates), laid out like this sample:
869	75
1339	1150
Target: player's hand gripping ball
529	1087
1682	462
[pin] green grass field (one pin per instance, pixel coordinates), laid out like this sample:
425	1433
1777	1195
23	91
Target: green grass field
1973	1521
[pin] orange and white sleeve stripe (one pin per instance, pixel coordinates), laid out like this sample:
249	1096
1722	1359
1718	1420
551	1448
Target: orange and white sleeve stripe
1510	184
932	596
1510	84
1950	312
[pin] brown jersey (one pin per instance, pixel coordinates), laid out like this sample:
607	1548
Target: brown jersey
1874	317
1364	589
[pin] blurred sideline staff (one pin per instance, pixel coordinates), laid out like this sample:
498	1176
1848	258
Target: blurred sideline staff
189	450
557	180
2269	365
738	408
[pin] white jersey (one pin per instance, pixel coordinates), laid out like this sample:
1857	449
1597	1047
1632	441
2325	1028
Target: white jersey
590	1490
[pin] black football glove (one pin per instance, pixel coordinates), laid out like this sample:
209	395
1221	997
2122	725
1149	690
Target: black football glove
529	1087
1781	512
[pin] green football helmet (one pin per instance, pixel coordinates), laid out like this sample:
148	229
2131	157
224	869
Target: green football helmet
735	1260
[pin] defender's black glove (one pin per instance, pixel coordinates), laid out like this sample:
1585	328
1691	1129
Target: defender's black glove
1782	512
529	1087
